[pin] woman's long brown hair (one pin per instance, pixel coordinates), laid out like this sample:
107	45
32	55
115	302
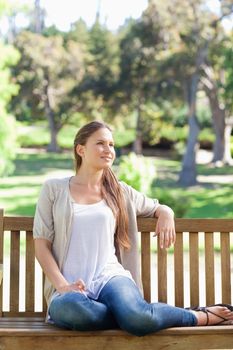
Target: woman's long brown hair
111	189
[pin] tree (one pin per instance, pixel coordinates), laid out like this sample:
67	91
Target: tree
8	57
196	28
140	43
217	81
38	18
96	90
12	9
47	72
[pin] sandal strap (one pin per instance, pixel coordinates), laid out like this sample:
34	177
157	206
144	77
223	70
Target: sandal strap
213	313
208	311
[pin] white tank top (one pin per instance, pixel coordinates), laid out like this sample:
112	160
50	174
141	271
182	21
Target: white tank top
91	253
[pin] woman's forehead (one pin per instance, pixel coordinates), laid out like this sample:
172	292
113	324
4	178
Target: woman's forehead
103	134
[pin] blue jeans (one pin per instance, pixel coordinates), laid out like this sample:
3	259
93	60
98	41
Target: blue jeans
120	305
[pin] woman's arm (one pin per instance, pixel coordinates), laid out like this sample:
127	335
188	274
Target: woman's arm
165	226
45	258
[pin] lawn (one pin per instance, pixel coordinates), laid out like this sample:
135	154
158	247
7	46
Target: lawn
19	192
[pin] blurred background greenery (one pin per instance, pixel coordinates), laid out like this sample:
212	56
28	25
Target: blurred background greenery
164	82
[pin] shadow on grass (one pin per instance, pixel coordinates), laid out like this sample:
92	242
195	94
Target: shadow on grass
23	205
10	186
39	164
206	170
22	209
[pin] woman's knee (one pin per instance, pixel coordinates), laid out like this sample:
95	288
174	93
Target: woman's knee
72	311
140	323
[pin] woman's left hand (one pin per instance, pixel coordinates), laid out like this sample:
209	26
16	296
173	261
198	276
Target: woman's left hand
165	227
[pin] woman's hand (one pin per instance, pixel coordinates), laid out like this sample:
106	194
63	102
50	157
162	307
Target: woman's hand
165	227
78	286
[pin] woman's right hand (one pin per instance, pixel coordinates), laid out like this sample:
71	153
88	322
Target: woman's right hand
78	286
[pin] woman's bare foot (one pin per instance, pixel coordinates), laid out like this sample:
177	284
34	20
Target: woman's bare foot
213	315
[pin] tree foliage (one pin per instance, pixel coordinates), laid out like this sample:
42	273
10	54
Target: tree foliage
138	77
48	70
8	57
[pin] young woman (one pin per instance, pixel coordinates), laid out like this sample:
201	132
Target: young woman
86	242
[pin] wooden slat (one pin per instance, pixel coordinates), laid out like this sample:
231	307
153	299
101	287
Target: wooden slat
144	224
146	265
190	225
30	273
1	255
194	269
162	274
179	270
44	303
14	270
225	268
209	269
18	223
20	314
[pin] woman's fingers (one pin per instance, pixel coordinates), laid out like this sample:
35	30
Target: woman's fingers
80	285
167	237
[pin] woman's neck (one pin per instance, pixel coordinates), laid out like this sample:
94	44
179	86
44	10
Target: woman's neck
89	179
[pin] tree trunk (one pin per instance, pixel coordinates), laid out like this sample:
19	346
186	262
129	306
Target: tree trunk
53	146
38	17
188	175
227	159
219	125
222	126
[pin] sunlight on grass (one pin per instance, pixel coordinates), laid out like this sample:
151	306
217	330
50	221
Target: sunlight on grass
19	192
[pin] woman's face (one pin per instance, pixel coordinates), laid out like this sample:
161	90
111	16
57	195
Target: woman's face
98	152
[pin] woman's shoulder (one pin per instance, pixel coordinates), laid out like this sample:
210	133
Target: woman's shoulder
55	183
127	189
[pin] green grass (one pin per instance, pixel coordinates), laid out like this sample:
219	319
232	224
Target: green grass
38	136
206	200
19	192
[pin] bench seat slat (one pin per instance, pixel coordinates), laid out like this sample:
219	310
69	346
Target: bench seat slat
38	325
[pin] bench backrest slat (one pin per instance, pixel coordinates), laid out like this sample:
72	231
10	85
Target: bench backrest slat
146	264
226	267
14	270
179	270
194	269
30	273
162	273
1	258
209	268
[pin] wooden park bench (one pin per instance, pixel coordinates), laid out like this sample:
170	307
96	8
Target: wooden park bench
198	267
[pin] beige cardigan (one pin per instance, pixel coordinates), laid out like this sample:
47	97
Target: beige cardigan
53	220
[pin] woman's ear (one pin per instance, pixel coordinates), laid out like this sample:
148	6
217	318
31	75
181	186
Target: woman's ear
80	150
